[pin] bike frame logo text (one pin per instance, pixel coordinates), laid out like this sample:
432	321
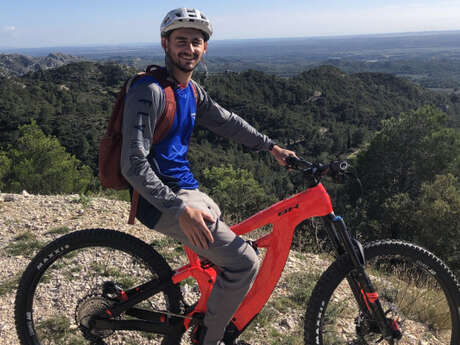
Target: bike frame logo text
288	210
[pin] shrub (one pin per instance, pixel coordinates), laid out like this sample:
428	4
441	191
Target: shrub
40	164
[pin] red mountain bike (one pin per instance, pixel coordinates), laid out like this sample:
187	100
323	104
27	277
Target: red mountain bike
106	287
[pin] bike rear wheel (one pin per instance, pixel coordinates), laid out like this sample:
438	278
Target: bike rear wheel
415	288
62	287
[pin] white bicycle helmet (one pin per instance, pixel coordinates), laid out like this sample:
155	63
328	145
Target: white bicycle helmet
181	18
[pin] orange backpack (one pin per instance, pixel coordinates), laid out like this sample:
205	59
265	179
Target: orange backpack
110	145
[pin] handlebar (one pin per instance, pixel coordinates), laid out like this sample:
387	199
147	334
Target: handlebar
335	169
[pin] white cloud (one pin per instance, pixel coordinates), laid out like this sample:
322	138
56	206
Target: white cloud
8	35
9	28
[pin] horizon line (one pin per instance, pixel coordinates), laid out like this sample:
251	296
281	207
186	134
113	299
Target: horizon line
93	45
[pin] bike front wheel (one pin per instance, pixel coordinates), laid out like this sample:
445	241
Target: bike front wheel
415	288
62	288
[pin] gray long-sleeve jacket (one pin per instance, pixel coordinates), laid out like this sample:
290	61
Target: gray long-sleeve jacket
144	104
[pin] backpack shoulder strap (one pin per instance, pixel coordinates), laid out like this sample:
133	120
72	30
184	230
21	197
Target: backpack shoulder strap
166	120
195	93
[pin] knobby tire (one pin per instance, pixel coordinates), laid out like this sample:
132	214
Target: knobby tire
62	284
413	285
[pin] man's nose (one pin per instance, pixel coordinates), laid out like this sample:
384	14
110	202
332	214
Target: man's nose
189	48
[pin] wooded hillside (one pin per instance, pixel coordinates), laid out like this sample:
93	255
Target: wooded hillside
408	163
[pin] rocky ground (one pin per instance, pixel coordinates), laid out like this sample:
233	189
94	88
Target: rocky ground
20	214
34	220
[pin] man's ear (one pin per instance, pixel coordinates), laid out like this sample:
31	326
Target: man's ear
164	42
205	47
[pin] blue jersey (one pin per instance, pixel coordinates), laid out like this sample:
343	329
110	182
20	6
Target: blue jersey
171	153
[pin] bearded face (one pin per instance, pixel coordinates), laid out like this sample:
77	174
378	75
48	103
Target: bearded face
185	48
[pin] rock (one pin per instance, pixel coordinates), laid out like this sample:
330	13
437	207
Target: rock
287	323
9	198
24	193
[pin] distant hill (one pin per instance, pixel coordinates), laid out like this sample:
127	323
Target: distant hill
431	59
321	112
16	64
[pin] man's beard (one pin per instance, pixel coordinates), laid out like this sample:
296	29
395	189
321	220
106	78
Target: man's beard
176	64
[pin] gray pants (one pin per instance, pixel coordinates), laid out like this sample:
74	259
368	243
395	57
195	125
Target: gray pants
230	252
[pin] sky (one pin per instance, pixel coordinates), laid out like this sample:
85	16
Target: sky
53	23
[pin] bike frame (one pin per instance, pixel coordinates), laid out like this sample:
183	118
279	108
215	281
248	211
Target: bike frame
284	216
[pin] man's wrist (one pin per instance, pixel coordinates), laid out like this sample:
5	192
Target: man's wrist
271	146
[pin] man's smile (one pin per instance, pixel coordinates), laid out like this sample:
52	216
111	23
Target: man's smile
188	57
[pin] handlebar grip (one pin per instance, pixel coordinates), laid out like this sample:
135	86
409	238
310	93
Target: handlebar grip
291	161
295	163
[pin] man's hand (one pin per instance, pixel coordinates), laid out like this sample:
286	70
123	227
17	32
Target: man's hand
193	224
281	154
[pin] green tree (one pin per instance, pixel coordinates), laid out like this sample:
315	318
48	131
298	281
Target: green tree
5	166
407	152
438	218
235	190
432	219
40	164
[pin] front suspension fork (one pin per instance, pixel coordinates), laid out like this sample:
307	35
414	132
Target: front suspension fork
358	280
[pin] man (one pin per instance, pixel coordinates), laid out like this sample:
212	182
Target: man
170	201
